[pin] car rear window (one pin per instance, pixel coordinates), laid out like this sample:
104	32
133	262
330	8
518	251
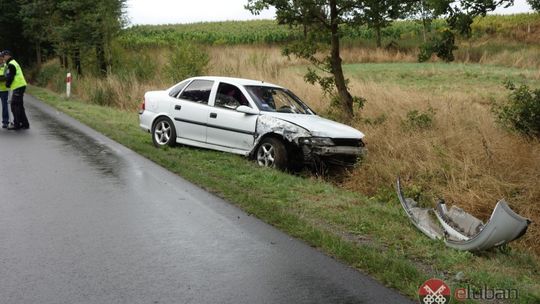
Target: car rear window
198	91
179	87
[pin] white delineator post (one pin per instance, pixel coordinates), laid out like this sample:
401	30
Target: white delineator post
68	85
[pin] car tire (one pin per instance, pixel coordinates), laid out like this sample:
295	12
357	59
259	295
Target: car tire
163	133
272	153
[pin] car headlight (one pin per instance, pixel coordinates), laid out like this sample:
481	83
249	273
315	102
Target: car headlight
317	141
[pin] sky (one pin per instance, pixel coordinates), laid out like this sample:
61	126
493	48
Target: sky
190	11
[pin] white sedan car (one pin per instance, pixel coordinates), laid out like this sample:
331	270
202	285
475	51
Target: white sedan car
252	118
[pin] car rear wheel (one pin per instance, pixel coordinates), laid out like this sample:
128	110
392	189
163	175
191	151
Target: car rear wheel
163	133
272	153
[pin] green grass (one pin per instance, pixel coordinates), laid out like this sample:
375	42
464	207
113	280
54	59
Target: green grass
269	32
504	25
442	77
218	33
370	234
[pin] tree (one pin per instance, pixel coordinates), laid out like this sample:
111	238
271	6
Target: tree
459	18
535	4
37	23
70	30
107	21
87	25
426	11
378	14
322	21
11	27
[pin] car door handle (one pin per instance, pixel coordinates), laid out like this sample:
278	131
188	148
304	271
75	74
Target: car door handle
178	107
213	115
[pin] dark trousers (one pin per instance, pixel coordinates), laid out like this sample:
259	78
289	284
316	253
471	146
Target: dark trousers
17	108
5	113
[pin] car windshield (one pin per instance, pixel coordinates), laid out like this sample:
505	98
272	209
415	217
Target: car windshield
271	99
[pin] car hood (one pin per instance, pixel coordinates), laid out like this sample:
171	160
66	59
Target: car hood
318	126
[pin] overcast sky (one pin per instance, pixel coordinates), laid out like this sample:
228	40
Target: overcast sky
189	11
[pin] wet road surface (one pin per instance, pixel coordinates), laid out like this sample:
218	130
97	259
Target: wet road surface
85	220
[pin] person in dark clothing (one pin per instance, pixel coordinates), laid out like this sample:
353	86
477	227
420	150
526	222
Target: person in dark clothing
4	95
16	82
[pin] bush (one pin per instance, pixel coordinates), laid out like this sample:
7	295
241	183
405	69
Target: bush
418	120
376	121
443	45
186	61
521	112
51	75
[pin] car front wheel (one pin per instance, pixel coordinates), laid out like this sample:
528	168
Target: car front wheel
272	153
163	133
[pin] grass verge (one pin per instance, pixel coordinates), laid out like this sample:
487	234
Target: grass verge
371	234
442	77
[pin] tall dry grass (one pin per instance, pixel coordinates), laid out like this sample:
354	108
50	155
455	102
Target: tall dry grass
464	157
500	52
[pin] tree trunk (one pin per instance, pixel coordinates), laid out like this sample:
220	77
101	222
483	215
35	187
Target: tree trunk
424	28
65	62
77	61
378	33
424	21
38	55
101	59
345	97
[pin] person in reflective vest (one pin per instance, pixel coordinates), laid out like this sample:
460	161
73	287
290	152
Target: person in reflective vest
4	93
16	82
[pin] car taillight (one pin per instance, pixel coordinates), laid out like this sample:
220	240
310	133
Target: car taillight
143	106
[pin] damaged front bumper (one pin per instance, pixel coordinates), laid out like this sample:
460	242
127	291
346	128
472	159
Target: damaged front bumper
331	151
342	152
462	231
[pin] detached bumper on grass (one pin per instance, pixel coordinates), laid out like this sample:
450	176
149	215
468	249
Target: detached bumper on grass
460	230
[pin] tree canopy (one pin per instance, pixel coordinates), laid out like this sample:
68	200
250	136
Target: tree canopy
378	14
322	21
535	4
65	28
12	27
459	16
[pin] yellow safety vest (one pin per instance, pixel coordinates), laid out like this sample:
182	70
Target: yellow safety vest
19	80
3	87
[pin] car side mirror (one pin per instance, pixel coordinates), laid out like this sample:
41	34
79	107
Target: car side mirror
247	110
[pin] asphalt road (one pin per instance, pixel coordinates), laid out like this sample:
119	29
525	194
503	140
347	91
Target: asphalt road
85	220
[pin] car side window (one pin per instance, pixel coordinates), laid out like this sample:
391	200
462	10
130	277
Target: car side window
230	97
179	87
198	91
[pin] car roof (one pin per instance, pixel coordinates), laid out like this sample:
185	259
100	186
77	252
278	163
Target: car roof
237	81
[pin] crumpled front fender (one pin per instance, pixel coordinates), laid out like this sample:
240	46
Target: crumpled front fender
271	125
